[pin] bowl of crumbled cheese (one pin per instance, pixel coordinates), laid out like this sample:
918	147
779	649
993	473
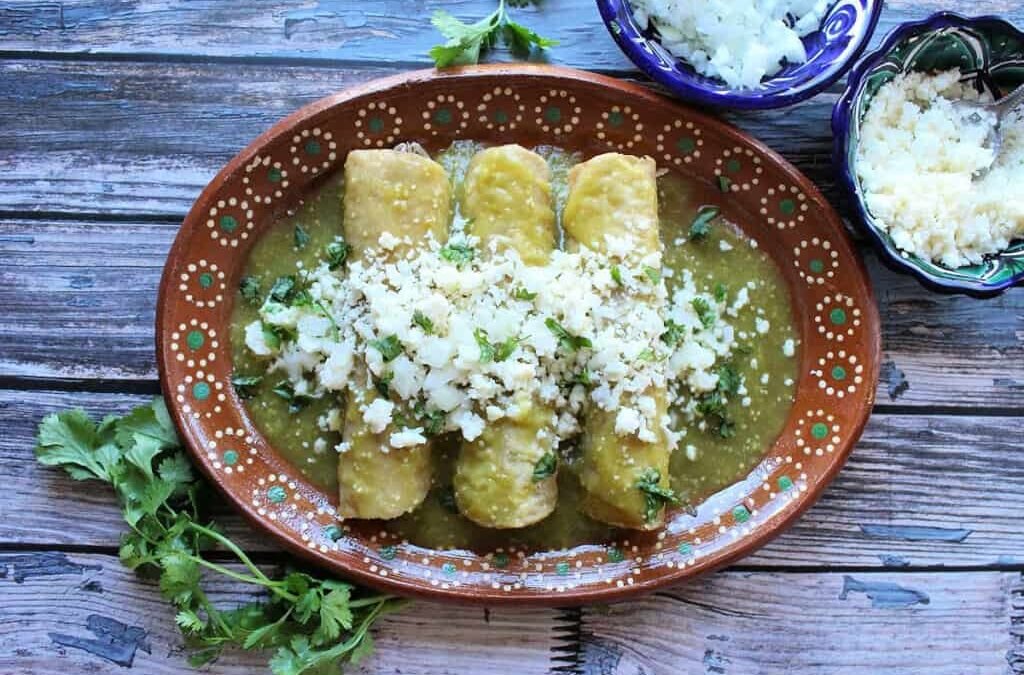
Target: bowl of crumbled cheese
742	54
929	187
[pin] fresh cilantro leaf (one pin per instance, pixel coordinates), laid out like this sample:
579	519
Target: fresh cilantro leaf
494	351
647	355
566	340
467	41
545	467
249	287
296	402
721	292
283	289
383	384
274	336
656	495
704	312
486	349
433	420
523	294
459	254
582	378
423	321
701	225
729	381
315	624
652	273
301	237
674	334
336	253
389	347
617	275
245	385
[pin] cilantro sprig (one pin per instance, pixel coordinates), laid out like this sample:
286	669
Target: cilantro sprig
566	340
467	41
313	624
655	494
494	351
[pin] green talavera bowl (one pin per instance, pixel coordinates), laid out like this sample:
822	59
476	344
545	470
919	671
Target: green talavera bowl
990	53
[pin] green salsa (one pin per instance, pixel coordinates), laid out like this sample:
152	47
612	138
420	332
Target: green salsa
723	261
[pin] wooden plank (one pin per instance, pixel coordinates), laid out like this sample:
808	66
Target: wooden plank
328	30
52	605
98	281
812	624
919	491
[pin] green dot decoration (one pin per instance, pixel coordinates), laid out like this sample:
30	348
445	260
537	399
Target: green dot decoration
615	118
785	483
816	266
376	125
388	552
277	494
837	316
201	391
553	115
501	560
443	116
194	339
839	373
206	280
787	206
230	457
732	166
448	569
615	555
332	532
686	145
500	116
274	175
312	147
819	430
228	223
740	514
562	568
685	548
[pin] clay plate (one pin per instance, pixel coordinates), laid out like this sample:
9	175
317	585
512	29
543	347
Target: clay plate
531	105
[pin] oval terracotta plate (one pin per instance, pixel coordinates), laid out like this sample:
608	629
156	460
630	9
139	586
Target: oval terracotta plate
531	105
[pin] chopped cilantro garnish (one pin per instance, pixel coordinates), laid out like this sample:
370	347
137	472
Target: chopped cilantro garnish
545	466
616	275
459	254
249	286
712	404
383	384
652	273
655	494
704	311
423	321
701	225
275	335
567	340
729	380
433	420
674	333
647	355
494	351
523	294
301	237
724	183
245	384
582	377
283	289
721	292
336	253
390	347
296	402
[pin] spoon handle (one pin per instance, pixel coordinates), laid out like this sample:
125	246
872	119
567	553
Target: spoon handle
1007	103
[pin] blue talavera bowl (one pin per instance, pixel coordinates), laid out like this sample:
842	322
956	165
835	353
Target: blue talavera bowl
845	31
990	52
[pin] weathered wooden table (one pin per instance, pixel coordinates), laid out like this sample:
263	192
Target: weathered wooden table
113	116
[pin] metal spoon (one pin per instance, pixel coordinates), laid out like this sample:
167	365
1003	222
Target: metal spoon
974	113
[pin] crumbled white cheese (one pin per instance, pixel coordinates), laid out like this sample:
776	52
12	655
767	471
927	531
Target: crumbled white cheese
378	414
788	348
407	438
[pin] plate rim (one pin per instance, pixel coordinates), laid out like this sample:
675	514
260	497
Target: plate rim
634	94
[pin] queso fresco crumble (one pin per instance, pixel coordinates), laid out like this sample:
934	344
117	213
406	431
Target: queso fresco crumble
454	337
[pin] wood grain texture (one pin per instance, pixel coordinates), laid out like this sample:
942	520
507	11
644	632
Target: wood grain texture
79	300
919	491
814	624
57	610
329	30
